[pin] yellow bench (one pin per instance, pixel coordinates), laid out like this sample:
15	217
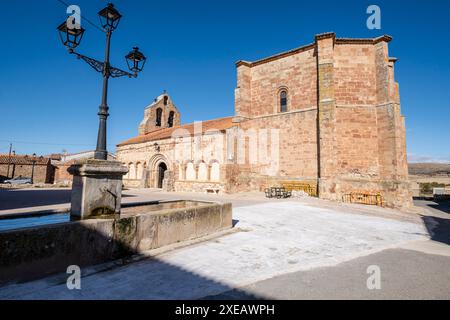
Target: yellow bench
309	188
374	199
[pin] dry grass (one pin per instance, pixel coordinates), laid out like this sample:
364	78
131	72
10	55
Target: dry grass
429	169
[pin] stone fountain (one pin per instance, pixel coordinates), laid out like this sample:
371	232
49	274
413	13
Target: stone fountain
96	188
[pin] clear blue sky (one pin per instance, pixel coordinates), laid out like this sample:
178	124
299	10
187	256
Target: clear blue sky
49	100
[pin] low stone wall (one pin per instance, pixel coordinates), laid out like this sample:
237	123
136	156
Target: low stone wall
395	194
132	183
198	186
32	253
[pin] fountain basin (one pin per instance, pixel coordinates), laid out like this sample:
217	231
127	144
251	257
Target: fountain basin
30	252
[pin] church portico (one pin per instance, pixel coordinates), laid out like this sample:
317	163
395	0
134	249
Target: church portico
159	168
176	163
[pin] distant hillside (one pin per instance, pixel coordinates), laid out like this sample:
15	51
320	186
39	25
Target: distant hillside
429	168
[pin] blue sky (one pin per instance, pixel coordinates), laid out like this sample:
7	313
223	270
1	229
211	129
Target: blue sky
49	100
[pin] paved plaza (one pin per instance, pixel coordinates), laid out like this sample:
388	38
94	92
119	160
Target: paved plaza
299	248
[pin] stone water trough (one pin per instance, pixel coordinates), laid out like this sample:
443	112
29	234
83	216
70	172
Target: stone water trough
30	252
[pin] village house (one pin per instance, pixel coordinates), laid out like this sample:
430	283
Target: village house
64	161
27	166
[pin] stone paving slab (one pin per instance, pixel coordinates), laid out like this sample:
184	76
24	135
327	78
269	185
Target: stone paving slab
277	238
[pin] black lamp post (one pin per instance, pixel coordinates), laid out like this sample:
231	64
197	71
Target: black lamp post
71	37
33	161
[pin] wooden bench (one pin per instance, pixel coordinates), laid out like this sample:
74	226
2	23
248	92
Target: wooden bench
212	190
374	199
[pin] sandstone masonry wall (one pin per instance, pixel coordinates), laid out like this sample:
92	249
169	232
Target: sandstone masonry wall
342	130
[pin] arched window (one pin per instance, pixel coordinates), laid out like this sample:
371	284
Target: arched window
215	172
132	171
166	99
139	170
283	101
190	172
158	117
170	120
202	171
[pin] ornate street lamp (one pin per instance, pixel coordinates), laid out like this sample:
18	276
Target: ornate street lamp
71	38
109	17
135	60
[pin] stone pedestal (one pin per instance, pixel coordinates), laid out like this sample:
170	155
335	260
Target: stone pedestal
96	188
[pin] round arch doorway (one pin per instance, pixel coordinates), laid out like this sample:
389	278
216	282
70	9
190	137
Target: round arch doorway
162	168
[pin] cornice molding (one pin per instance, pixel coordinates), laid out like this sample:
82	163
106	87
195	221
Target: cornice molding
337	41
276	56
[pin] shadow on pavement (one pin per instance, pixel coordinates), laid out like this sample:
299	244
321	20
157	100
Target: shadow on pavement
443	206
438	228
438	221
127	195
27	255
24	198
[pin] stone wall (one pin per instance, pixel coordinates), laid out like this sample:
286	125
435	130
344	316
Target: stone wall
285	148
44	173
259	86
357	132
203	187
351	137
178	154
354	74
62	175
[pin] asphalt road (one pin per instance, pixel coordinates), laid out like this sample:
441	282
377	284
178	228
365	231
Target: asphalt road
417	271
14	201
404	274
25	198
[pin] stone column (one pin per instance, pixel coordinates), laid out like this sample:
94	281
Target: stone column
208	172
183	171
242	93
96	188
327	155
196	171
391	132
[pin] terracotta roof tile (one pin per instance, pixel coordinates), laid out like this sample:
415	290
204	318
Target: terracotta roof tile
216	124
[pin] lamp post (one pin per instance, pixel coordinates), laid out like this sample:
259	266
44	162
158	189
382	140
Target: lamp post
71	35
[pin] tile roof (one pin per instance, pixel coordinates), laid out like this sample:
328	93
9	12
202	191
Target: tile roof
23	159
54	156
216	124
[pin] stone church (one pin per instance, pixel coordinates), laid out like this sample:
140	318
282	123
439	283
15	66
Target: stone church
327	114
